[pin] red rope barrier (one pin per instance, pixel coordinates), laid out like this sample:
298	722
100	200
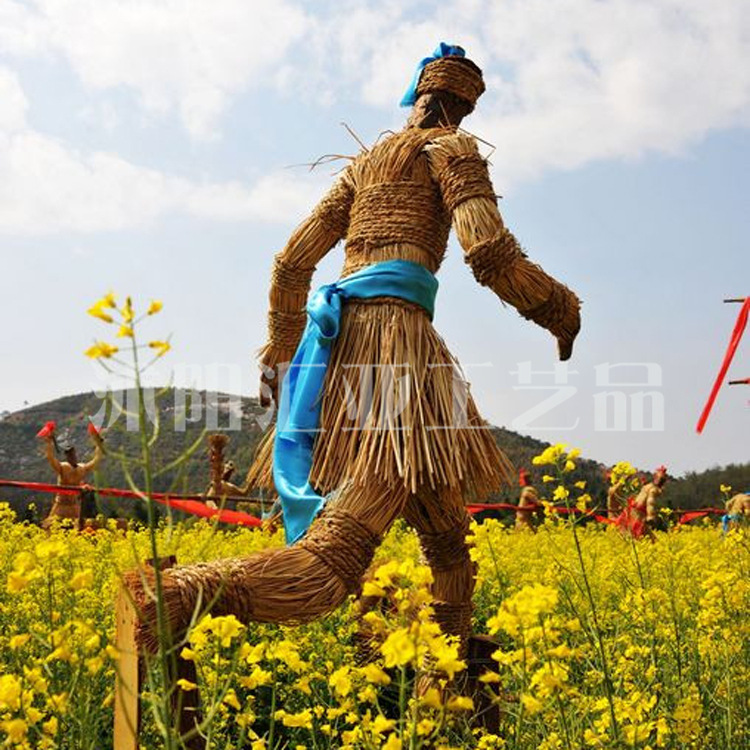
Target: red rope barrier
193	504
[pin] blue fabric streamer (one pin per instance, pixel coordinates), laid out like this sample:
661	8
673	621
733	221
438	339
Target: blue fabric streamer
301	392
442	50
727	519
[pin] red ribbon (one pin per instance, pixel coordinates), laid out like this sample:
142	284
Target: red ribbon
739	329
47	430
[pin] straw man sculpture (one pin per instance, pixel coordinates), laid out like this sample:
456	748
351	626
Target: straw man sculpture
416	447
70	473
641	516
528	499
738	511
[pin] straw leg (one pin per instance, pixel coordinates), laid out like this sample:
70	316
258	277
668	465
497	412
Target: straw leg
442	523
291	585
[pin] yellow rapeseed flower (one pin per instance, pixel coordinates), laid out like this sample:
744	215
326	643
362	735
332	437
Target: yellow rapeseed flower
303	719
18	641
161	347
82	580
128	313
155	307
16	729
399	648
226	628
17	582
51	549
10	692
341	682
97	311
460	703
101	350
374	674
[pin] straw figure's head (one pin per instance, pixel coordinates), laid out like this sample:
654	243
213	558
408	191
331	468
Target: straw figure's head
229	469
445	89
524	478
660	476
70	454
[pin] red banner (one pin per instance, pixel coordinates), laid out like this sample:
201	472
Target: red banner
734	341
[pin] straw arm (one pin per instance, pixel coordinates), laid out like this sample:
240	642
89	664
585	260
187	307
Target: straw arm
96	460
51	457
292	273
493	253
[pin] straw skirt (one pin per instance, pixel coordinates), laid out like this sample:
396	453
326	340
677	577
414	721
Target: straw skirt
396	406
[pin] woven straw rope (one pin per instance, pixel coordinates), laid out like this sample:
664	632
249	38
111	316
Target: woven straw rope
446	550
552	313
344	545
453	76
397	213
463	178
333	210
492	258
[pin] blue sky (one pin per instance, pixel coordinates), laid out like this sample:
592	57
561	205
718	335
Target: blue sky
150	148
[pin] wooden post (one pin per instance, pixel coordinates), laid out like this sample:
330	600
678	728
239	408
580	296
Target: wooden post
128	687
130	675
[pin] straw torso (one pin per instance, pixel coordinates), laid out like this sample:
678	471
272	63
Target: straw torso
395	402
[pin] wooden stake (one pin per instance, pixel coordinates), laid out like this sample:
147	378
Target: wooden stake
130	675
127	689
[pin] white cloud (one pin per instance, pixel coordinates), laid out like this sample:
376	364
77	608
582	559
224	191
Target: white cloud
569	81
46	187
191	56
13	103
276	197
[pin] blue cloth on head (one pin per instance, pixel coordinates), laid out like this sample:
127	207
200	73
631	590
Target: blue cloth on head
442	50
301	391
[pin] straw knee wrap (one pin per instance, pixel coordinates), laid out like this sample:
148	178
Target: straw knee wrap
343	545
447	550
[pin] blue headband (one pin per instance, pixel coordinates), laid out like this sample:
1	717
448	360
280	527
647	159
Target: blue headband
442	50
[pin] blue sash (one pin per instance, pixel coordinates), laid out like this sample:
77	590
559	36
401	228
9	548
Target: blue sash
301	391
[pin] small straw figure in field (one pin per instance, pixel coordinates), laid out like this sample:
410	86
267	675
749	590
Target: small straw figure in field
70	473
226	487
641	515
344	474
738	511
222	471
615	500
528	497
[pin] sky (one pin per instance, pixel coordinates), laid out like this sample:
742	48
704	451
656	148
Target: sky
160	149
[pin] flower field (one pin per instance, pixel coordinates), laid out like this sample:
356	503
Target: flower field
602	642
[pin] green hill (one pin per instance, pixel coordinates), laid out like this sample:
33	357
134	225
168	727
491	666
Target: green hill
183	425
